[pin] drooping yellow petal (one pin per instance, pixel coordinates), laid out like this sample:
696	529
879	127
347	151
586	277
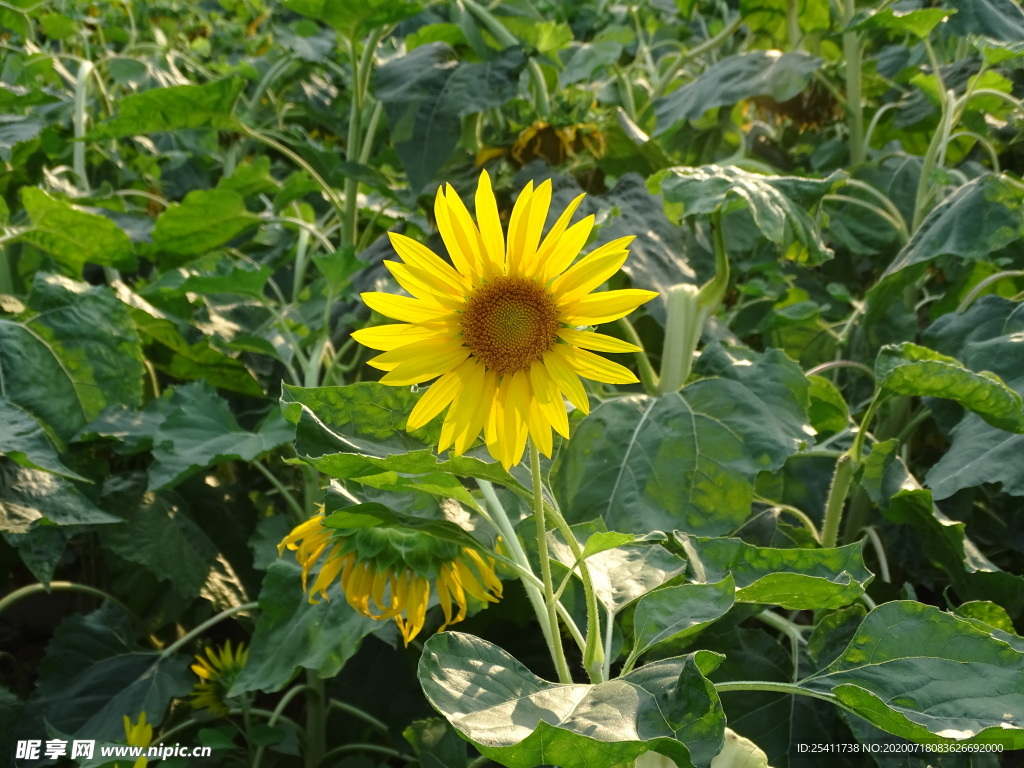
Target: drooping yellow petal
605	306
444	597
595	341
590	271
416	608
328	572
487	574
440	394
491	235
417	255
566	379
404	308
591	366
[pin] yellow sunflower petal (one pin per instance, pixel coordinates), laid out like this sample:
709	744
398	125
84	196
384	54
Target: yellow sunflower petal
595	341
591	366
605	306
460	247
418	255
549	399
466	230
539	428
590	271
416	608
404	308
425	367
458	593
473	408
553	238
539	204
567	249
518	232
487	575
566	379
424	285
444	598
491	235
388	337
440	394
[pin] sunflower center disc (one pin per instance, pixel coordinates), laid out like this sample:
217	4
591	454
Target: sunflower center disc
510	323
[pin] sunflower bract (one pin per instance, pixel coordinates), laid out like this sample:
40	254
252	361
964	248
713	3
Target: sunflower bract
500	327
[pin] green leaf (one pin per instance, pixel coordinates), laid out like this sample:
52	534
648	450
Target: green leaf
354	21
688	460
917	672
547	37
586	59
800	579
175	108
293	633
920	22
777	203
827	410
516	718
980	218
252	177
426	93
996	19
92	676
73	236
25	441
733	79
986	336
909	369
676	613
358	431
991	615
436	744
769	19
204	220
29	498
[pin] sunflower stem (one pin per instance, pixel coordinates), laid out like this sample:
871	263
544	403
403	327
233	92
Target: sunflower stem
557	652
316	720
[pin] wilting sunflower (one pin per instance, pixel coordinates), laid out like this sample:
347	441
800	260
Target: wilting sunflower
138	735
218	672
504	327
391	567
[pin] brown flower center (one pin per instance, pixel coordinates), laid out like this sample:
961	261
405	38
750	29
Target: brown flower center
509	323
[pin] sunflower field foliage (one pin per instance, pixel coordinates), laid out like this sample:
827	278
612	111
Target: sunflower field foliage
465	383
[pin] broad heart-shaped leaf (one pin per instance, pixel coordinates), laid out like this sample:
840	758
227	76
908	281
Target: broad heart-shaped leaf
71	355
204	220
521	721
791	578
358	431
909	369
92	676
981	217
426	93
778	204
919	673
189	428
73	236
997	19
353	21
733	79
677	612
25	441
686	460
293	633
987	336
175	108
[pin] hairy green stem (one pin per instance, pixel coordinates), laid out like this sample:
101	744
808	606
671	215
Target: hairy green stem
316	720
558	653
854	108
841	480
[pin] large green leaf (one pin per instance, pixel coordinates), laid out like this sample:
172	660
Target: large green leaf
910	369
204	220
981	217
426	93
354	21
917	672
25	441
28	496
678	612
735	78
175	108
292	633
74	353
770	21
920	22
358	431
73	236
986	336
997	19
93	675
521	721
791	578
686	461
778	204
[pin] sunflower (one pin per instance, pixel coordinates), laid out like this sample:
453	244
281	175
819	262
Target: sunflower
138	735
390	567
503	328
217	672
